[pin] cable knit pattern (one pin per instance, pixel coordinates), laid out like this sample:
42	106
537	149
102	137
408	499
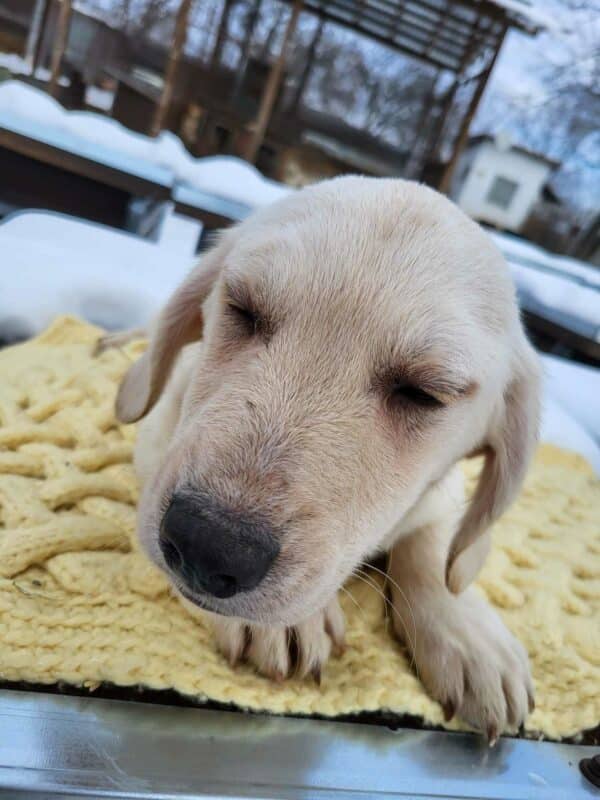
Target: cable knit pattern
79	602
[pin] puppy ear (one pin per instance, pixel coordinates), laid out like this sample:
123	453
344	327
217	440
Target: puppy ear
510	443
179	323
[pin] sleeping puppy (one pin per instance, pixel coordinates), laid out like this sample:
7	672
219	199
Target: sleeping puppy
307	394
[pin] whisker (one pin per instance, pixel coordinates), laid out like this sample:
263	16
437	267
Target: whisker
412	643
388	604
397	586
354	600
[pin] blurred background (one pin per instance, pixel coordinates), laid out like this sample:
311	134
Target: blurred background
131	129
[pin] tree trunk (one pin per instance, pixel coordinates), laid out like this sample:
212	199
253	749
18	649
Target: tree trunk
60	45
250	24
221	33
179	38
308	65
269	95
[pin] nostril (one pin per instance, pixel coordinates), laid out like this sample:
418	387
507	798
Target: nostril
172	554
221	586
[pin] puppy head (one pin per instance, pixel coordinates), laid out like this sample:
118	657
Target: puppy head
358	338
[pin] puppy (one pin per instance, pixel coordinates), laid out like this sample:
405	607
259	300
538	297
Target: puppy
306	394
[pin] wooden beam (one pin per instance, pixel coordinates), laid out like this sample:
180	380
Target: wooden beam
435	143
179	39
463	134
35	33
272	86
60	45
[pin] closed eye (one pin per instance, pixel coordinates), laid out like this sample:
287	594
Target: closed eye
408	395
249	320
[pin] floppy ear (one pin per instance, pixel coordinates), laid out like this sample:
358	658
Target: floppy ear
179	323
508	448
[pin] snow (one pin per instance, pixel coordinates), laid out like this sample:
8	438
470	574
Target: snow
62	265
17	65
99	98
576	388
180	234
563	295
556	283
539	18
118	280
521	251
561	429
221	175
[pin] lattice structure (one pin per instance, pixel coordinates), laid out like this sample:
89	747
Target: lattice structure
79	603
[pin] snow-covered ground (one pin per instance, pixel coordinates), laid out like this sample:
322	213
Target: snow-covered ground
223	175
53	264
118	280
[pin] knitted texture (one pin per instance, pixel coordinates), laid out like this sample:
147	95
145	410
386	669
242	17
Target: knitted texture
79	603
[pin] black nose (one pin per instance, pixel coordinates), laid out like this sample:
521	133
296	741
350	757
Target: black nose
216	550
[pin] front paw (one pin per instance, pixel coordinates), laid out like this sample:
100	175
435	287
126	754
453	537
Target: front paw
280	652
473	666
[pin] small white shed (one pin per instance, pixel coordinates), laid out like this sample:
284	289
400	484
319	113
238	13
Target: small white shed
499	183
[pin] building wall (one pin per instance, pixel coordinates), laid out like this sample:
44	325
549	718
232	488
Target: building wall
501	186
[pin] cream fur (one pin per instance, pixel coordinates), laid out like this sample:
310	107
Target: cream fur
355	280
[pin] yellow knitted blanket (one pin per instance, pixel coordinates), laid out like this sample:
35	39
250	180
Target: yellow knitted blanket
79	603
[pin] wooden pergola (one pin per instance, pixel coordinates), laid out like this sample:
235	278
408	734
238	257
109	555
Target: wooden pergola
452	35
460	37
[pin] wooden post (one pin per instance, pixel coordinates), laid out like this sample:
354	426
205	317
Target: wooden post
60	45
35	33
308	64
269	95
463	134
179	38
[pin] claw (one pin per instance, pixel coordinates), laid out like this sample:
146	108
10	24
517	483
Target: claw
531	702
233	660
449	710
492	735
338	649
316	673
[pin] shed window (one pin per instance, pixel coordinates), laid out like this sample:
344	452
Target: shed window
501	192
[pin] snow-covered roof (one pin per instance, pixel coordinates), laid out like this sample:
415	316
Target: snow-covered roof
31	110
487	137
523	8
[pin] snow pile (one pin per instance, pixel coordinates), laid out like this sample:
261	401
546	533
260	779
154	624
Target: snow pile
220	175
560	294
525	253
571	407
556	282
61	265
17	65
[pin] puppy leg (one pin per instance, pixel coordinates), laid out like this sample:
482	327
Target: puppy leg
280	652
464	654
